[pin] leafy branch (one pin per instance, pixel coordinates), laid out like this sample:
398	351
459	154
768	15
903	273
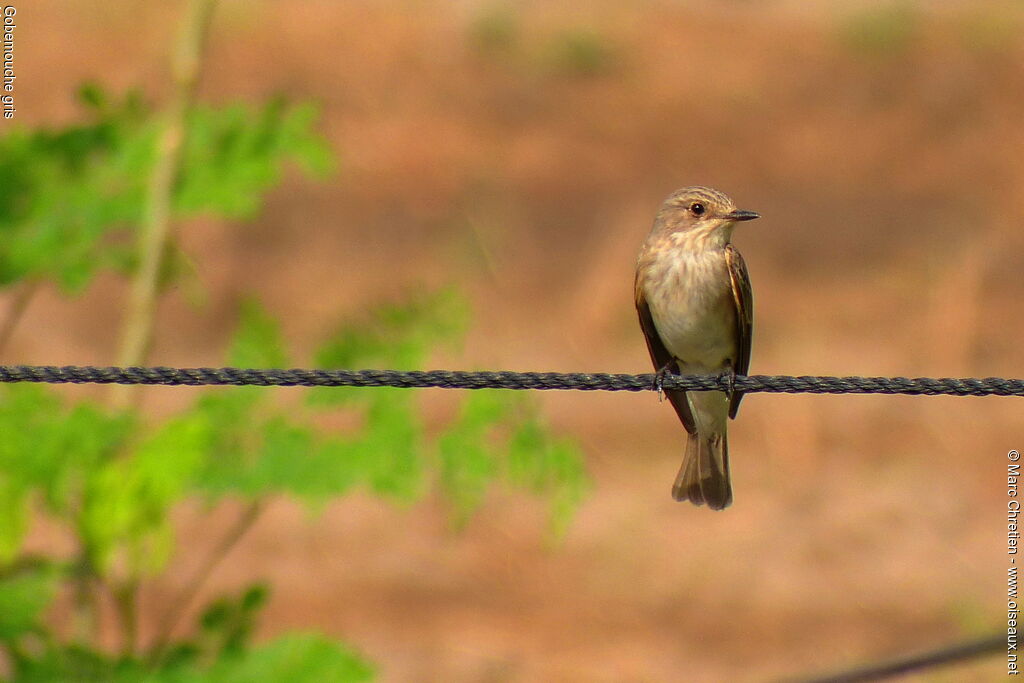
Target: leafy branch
156	223
106	194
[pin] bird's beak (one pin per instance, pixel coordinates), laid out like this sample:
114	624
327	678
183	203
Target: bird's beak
740	215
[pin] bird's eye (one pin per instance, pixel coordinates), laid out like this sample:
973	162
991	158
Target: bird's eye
697	209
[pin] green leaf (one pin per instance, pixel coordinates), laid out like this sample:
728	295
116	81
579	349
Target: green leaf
257	342
390	445
550	467
63	192
254	597
499	434
280	460
398	335
582	52
92	95
14	516
228	623
24	596
48	450
294	658
71	198
882	30
259	454
74	663
296	460
127	501
216	615
236	153
469	452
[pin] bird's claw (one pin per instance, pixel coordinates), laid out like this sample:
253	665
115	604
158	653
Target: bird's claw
659	380
730	380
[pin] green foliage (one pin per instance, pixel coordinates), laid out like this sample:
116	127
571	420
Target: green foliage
233	155
399	336
119	480
989	28
26	590
62	191
221	650
127	501
114	480
468	450
502	436
227	624
257	343
581	52
496	34
549	466
70	199
48	450
296	657
257	447
495	31
885	30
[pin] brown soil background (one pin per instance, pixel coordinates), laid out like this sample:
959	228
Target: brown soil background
889	180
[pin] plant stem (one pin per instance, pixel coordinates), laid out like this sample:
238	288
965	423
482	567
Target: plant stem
137	331
155	232
22	298
126	596
191	588
85	603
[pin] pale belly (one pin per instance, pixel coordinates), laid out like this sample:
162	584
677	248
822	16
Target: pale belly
697	324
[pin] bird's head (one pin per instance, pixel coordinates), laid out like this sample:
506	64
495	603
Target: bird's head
700	214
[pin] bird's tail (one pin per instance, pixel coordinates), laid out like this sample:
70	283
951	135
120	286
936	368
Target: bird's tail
704	476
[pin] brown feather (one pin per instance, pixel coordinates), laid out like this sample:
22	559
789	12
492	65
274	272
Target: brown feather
744	298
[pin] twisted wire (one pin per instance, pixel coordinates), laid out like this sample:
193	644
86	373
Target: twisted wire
448	379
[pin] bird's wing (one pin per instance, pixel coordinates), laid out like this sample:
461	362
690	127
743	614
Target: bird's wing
744	300
661	357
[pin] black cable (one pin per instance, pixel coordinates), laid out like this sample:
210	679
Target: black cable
75	374
928	660
990	386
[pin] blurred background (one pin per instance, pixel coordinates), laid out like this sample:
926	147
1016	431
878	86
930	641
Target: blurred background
517	151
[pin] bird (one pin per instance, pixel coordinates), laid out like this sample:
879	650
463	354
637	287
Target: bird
695	304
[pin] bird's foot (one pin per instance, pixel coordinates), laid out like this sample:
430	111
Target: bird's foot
730	380
659	379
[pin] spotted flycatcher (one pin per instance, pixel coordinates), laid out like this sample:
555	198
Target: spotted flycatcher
696	311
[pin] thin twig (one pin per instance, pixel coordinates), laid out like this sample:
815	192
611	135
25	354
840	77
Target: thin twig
137	333
126	595
85	602
19	305
155	230
188	592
